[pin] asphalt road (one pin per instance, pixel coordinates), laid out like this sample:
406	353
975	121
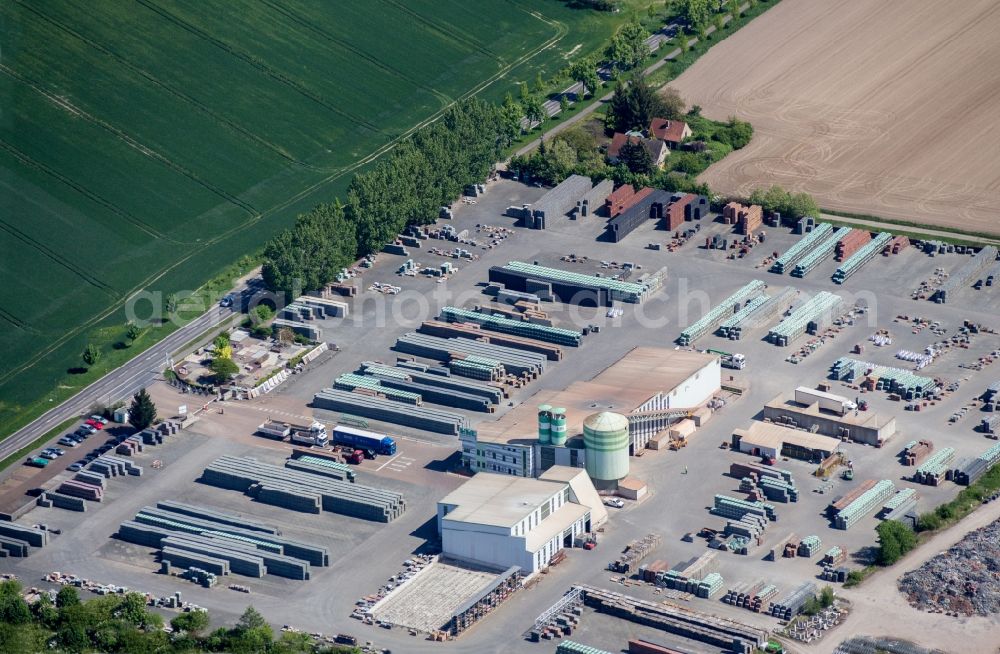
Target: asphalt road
122	382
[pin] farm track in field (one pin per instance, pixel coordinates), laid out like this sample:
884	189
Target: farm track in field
453	35
132	142
58	259
344	45
84	191
250	136
262	66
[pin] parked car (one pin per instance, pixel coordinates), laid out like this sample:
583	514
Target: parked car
96	424
67	441
76	467
56	450
615	502
99	418
83	432
90	429
37	462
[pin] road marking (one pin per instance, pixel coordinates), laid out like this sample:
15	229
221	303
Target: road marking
388	462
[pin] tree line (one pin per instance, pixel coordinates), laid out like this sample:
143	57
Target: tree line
408	186
123	623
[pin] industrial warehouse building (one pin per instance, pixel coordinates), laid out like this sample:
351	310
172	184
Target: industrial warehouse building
652	388
865	427
771	440
500	521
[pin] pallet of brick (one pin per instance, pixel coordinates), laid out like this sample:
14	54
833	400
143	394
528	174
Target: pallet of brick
778	549
648	572
68	502
205	513
31	535
758	470
80	489
184	559
842	502
915	454
809	546
14	546
851	243
896	245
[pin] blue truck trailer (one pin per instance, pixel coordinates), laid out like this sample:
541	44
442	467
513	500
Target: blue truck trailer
366	440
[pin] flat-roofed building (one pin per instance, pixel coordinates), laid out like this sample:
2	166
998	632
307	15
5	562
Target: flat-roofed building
652	387
501	521
866	427
770	440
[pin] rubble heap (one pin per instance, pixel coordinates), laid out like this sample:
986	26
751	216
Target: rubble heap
965	579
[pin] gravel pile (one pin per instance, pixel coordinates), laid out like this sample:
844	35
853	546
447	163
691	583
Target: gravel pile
963	580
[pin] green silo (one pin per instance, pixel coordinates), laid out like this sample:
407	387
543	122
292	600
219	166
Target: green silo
606	439
544	424
558	427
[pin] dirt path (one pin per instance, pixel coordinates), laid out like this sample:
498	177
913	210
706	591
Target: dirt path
881	610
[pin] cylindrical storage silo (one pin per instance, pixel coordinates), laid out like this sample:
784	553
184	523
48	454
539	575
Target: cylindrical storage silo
605	435
544	424
558	428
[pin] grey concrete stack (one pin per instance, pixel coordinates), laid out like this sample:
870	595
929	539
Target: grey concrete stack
315	554
14	547
383	410
445	397
279	565
212	515
249	475
61	501
963	276
288	498
561	199
791	605
113	466
91	478
241	562
185	559
593	199
31	535
515	361
383	372
320	469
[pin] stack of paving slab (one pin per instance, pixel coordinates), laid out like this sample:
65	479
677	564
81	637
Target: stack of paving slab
17	540
385	410
515	361
302	491
113	466
190	536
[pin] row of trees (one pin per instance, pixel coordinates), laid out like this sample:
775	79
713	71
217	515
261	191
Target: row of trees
122	623
408	186
634	105
778	199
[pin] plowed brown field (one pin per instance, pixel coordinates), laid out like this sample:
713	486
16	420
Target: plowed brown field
882	107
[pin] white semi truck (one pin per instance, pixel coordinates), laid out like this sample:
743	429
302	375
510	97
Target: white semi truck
314	434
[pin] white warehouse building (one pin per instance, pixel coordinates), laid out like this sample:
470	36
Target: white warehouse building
501	521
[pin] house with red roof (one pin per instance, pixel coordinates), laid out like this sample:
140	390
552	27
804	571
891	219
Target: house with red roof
671	132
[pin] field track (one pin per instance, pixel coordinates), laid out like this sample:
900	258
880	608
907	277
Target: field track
879	107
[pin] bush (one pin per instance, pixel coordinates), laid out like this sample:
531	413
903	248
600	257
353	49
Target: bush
895	540
261	332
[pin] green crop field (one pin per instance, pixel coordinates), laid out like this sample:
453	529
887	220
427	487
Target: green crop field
148	145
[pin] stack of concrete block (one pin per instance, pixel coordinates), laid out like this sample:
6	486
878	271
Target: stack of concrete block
298	490
75	488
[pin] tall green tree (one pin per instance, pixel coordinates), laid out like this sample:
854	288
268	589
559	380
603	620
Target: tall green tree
636	158
223	369
696	12
628	48
563	105
635	105
584	71
310	254
895	540
91	354
132	331
534	109
539	82
142	412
